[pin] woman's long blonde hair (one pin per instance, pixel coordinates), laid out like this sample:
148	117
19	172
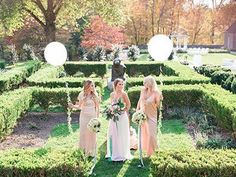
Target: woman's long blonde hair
87	84
151	82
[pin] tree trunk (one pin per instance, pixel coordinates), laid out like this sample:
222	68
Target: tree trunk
50	32
153	16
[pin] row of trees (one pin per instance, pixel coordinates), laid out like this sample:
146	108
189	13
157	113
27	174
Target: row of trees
204	24
107	21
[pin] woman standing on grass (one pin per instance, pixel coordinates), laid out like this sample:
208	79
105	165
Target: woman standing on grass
118	135
88	103
149	103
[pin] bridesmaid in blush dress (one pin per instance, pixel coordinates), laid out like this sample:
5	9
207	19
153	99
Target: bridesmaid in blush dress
118	135
149	103
88	103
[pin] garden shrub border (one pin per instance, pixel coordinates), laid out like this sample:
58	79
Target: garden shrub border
48	76
44	162
217	101
174	73
2	64
14	103
15	76
28	162
209	163
99	68
219	75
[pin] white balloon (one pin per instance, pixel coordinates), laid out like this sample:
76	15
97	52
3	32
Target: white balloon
55	53
160	47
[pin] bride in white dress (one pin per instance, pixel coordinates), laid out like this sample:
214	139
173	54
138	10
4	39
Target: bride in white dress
118	135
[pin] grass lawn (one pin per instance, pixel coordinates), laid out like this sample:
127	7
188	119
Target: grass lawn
216	58
210	58
174	136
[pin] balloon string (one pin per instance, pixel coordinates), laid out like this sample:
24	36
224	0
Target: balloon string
68	109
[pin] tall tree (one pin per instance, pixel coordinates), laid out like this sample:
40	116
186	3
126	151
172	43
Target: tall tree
99	33
51	14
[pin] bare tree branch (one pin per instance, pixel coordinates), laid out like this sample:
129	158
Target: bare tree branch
34	16
40	5
59	6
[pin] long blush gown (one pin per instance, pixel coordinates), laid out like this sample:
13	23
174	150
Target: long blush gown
149	127
87	138
118	139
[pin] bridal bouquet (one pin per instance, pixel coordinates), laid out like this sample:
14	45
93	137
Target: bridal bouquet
94	125
113	112
139	117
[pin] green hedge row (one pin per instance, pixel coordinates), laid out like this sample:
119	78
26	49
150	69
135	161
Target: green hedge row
199	163
212	98
174	95
149	68
49	77
221	103
219	75
86	68
45	73
12	105
174	73
143	68
46	97
2	64
15	103
44	163
13	77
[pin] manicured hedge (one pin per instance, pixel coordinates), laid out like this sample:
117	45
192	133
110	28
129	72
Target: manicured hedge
2	64
44	163
45	73
174	95
13	77
60	82
15	103
49	77
221	103
12	105
143	68
46	97
174	73
199	163
87	68
219	75
213	99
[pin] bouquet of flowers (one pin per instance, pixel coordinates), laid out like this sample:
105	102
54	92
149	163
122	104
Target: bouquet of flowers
113	112
94	125
139	117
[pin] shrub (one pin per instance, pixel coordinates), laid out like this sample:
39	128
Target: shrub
233	85
87	68
188	95
174	73
208	163
133	52
2	64
213	99
218	77
45	97
221	104
12	105
228	82
49	76
15	76
15	103
43	162
143	68
45	73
